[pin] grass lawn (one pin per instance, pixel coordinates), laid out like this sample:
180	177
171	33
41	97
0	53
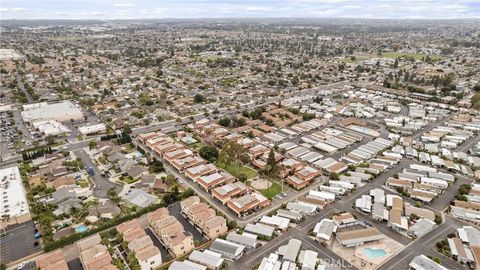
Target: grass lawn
356	59
273	190
83	184
417	56
129	180
79	137
236	170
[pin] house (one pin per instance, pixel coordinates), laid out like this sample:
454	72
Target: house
422	262
344	219
324	229
212	260
147	254
309	261
247	203
260	229
211	181
187	162
63	181
205	218
94	255
130	230
170	231
140	198
231	190
460	252
246	239
228	249
421	227
186	265
303	177
52	261
198	171
290	251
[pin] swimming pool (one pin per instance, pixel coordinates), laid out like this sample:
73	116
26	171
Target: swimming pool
80	229
374	252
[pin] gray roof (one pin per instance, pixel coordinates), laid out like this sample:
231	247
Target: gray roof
292	249
186	265
422	227
63	194
241	239
260	229
226	247
422	262
208	258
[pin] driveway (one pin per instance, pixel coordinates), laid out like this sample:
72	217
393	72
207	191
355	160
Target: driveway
101	184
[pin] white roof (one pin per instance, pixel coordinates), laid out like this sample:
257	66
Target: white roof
56	111
14	200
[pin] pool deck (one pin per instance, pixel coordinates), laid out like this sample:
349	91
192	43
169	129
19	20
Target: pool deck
377	261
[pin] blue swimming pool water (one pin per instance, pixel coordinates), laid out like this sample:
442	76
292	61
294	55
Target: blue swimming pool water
80	229
374	252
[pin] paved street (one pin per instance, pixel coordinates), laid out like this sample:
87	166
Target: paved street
18	242
101	184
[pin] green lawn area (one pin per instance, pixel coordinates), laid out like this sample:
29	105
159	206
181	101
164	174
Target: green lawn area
236	170
270	192
83	184
129	180
357	58
417	56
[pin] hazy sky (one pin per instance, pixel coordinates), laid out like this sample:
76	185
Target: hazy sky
148	9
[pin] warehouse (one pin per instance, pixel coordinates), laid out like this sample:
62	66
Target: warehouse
14	200
61	112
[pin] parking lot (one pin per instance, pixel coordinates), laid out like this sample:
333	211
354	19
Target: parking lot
18	242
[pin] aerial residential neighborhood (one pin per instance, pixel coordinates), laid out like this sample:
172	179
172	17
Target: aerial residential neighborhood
239	142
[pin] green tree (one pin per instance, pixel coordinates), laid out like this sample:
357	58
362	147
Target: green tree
92	144
198	98
209	152
224	122
242	178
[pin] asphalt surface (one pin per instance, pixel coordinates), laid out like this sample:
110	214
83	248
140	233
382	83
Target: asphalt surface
176	211
101	184
18	242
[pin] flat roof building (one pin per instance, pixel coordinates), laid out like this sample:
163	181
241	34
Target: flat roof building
61	112
14	200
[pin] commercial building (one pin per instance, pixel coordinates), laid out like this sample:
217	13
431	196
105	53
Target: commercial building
92	129
14	201
61	112
359	237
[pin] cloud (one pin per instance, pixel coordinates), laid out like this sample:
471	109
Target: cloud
124	5
377	9
14	10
